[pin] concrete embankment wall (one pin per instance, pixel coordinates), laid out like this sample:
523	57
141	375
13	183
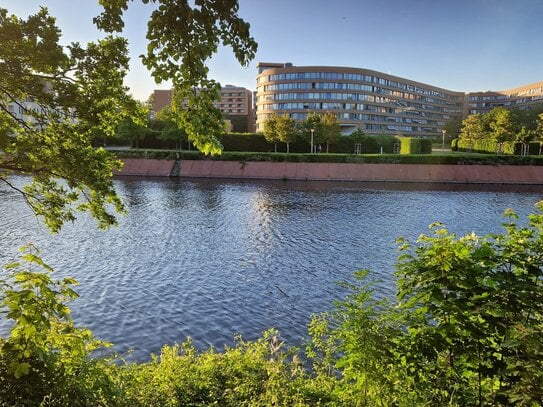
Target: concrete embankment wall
484	174
146	167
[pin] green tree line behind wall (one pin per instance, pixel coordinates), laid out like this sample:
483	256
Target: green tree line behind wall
500	129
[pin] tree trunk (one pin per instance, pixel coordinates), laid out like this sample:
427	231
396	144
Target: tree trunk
288	147
327	147
275	147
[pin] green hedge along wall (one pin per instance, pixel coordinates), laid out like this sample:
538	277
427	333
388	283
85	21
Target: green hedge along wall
257	143
345	145
491	147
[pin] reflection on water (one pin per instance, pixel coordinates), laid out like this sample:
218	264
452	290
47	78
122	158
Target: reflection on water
213	258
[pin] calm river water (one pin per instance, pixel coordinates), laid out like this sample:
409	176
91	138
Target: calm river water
209	259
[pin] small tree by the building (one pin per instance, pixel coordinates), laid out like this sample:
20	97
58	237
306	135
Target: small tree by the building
331	129
472	128
168	128
270	130
501	125
285	128
311	129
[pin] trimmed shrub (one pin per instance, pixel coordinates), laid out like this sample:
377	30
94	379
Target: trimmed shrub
486	147
345	144
245	142
239	123
255	142
454	145
410	145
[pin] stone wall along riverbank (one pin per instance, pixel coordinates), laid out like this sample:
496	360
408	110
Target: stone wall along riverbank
482	174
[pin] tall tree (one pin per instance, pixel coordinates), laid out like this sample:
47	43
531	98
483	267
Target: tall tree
525	135
77	92
539	131
133	131
53	99
501	124
526	117
165	123
311	129
331	129
270	130
472	128
182	38
285	128
453	128
539	127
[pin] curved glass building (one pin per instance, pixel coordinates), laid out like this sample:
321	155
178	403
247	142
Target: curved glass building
375	102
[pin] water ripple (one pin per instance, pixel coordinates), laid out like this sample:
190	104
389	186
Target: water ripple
209	259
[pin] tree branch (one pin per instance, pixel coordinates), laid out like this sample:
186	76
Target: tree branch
23	193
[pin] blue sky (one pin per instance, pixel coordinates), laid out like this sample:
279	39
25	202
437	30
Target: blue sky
463	45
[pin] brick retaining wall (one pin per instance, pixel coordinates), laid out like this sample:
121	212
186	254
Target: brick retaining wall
146	167
484	174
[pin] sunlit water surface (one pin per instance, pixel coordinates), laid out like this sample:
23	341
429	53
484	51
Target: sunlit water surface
209	259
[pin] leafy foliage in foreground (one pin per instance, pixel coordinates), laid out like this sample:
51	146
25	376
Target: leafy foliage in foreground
466	329
46	358
53	100
258	373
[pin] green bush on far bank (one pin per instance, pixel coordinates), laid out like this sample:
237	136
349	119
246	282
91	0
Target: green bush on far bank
492	147
344	145
255	142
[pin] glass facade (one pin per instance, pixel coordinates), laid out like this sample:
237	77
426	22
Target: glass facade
521	98
376	103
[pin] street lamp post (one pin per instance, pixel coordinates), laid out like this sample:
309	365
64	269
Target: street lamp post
443	140
312	131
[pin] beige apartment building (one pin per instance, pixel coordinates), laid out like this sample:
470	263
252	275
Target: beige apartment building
373	101
523	97
235	104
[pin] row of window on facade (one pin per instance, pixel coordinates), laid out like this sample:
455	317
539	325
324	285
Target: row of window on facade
232	94
232	100
520	101
375	118
405	108
370	127
233	110
355	87
344	96
226	105
503	97
352	77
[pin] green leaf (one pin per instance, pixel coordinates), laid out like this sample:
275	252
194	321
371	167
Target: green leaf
20	369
